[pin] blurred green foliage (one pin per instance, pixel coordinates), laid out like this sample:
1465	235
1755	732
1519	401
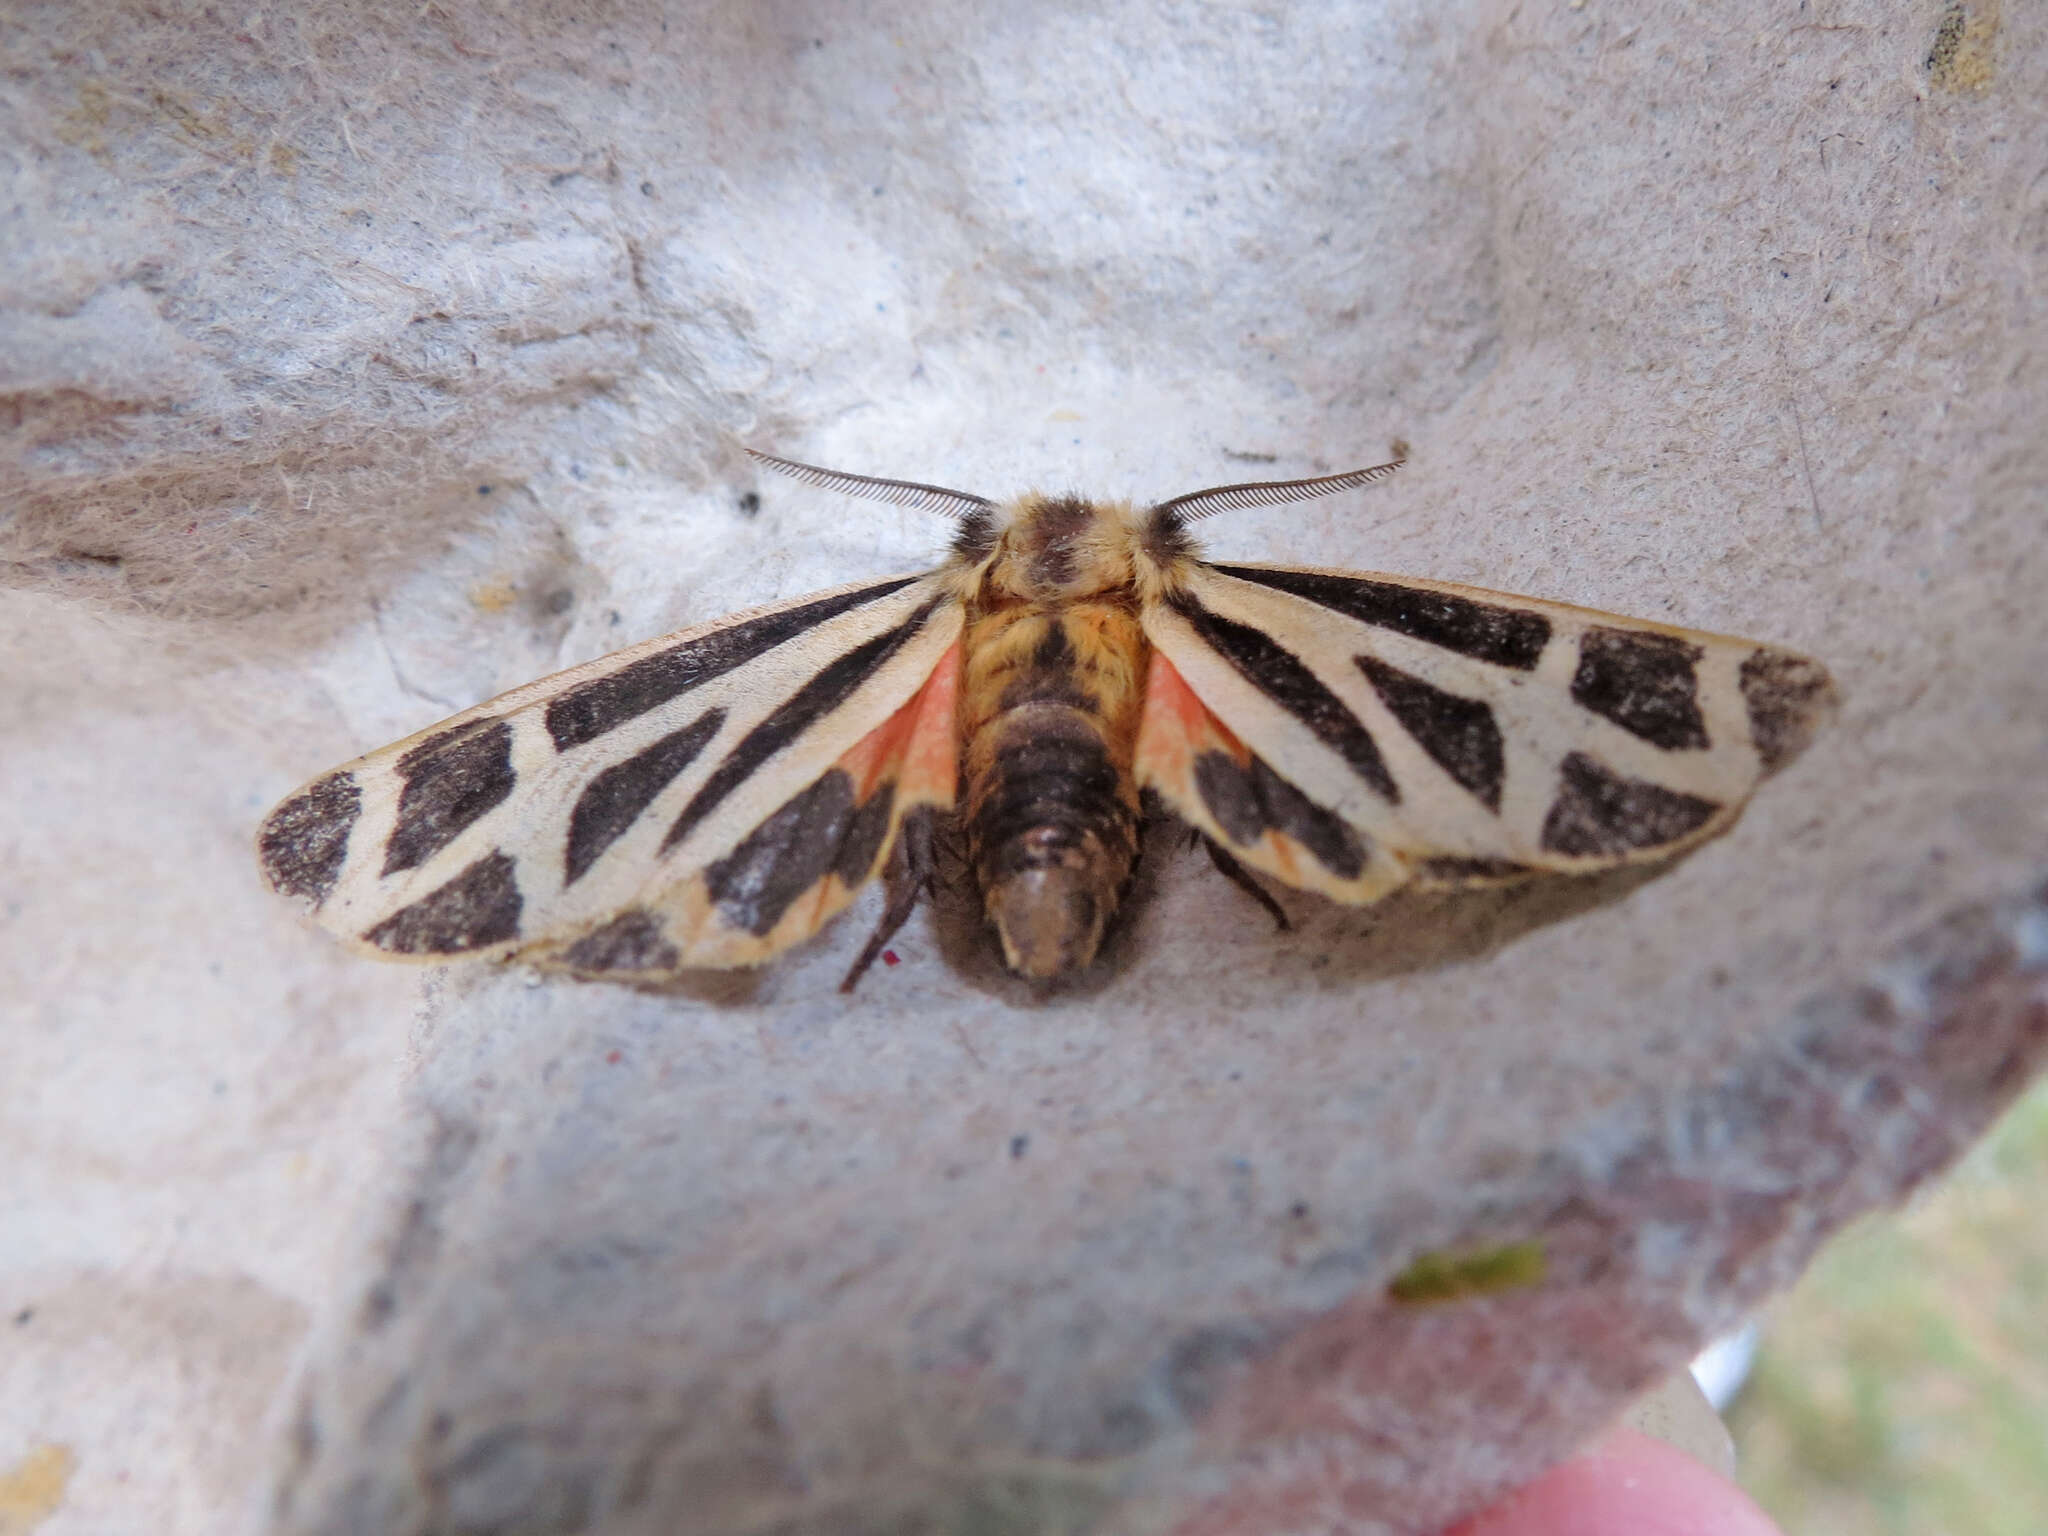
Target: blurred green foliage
1902	1389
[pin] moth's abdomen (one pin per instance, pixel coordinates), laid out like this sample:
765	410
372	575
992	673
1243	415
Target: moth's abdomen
1049	714
1052	840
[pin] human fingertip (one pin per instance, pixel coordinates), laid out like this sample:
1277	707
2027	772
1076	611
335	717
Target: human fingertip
1625	1484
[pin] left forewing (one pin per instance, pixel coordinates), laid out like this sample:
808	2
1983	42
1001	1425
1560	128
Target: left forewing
1348	732
704	799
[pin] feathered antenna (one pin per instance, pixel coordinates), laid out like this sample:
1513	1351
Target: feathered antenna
1267	493
959	505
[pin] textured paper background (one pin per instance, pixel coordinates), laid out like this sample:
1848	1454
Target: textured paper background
363	365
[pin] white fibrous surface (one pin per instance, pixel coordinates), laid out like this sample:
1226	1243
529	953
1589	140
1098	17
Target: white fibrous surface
363	361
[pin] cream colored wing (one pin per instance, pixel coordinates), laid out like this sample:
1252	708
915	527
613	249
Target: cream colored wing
704	799
1348	732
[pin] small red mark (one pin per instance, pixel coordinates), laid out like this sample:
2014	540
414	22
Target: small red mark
191	527
614	1057
890	957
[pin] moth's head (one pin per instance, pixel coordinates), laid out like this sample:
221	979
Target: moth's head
1062	548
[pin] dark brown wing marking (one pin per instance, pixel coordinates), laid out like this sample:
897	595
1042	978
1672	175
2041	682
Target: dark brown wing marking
865	837
1598	813
815	833
478	908
451	779
586	712
1789	697
1280	675
1232	796
1250	800
632	941
1455	870
1507	637
819	697
613	801
1645	683
304	842
1459	733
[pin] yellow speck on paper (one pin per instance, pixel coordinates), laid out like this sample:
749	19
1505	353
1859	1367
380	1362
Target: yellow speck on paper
1960	57
1452	1275
1066	415
33	1488
85	125
492	596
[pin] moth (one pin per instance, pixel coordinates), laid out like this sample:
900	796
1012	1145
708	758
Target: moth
712	797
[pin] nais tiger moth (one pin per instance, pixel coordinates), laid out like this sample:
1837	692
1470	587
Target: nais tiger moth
712	797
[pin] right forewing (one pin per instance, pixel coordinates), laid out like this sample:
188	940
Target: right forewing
1349	732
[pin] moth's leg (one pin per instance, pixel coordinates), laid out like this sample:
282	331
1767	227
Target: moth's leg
1241	877
910	874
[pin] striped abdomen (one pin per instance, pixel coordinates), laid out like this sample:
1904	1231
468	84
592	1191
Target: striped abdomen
1049	717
